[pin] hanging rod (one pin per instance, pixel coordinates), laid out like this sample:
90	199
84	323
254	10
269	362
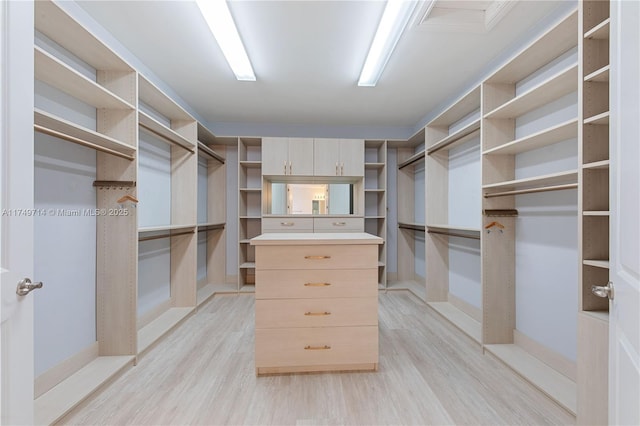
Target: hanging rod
500	212
206	228
45	130
116	183
437	148
455	234
168	139
169	235
411	226
209	152
532	190
413	159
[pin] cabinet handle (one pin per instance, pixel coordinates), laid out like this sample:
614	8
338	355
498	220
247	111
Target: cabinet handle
336	168
342	170
317	257
290	168
317	348
287	223
285	167
339	223
317	284
317	314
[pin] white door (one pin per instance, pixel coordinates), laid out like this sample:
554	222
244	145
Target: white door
16	205
624	325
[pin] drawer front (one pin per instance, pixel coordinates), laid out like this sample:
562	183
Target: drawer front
317	257
286	347
275	224
299	284
343	224
280	313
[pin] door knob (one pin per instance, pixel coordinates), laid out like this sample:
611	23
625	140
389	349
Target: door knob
25	286
603	290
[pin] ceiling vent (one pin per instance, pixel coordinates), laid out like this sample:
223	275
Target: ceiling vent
470	16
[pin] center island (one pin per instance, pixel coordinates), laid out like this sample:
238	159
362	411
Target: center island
316	302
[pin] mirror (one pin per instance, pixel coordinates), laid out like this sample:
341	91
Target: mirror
311	199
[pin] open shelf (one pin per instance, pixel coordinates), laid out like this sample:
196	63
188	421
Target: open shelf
599	76
146	229
157	328
56	73
601	315
156	99
251	164
596	213
463	135
462	107
538	182
210	153
600	119
154	126
597	165
600	31
374	165
250	189
550	136
419	156
598	263
455	316
553	88
60	125
61	399
555	385
248	265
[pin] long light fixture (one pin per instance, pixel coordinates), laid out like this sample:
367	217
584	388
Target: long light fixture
220	21
394	20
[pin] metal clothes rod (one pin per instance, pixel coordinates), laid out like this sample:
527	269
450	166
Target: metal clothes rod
412	227
114	183
532	190
455	234
50	132
209	152
171	141
419	156
157	237
465	134
210	228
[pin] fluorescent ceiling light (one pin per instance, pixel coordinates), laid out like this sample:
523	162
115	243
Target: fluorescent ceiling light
218	17
394	20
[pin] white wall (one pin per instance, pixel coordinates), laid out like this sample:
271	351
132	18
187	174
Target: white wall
154	181
203	190
154	274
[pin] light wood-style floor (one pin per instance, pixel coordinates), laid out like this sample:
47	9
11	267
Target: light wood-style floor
429	373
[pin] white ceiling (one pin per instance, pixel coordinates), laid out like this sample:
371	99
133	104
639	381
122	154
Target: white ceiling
307	57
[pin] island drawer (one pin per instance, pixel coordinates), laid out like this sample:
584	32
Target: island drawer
343	224
317	257
275	224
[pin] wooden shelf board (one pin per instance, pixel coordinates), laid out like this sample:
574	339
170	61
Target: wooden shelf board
56	24
597	165
596	213
205	293
550	136
598	263
251	164
600	31
150	123
156	99
250	189
457	138
245	241
381	264
419	156
374	190
462	107
247	265
54	404
61	125
144	229
599	76
554	87
534	182
56	73
464	322
157	328
600	119
374	217
544	49
208	152
601	315
374	165
250	217
207	224
555	385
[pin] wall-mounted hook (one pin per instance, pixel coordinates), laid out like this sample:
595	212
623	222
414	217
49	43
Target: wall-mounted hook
494	224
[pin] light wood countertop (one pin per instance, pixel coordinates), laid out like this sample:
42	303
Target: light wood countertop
310	238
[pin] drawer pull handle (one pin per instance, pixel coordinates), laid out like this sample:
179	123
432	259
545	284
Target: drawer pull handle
317	314
317	257
317	348
317	284
287	223
339	223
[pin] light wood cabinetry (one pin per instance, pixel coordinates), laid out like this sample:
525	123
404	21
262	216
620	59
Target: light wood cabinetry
375	199
287	157
593	176
338	157
316	302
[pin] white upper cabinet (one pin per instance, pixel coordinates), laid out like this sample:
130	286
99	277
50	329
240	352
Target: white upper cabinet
287	156
338	157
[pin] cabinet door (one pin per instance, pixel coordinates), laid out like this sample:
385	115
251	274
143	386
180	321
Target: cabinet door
352	157
300	157
274	156
326	157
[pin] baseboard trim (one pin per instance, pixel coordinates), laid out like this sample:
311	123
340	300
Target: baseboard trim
57	374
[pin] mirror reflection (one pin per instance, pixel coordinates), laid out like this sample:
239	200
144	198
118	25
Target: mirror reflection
311	198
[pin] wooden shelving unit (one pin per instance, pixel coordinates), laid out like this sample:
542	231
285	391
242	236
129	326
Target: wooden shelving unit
593	218
503	103
375	199
249	208
457	127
